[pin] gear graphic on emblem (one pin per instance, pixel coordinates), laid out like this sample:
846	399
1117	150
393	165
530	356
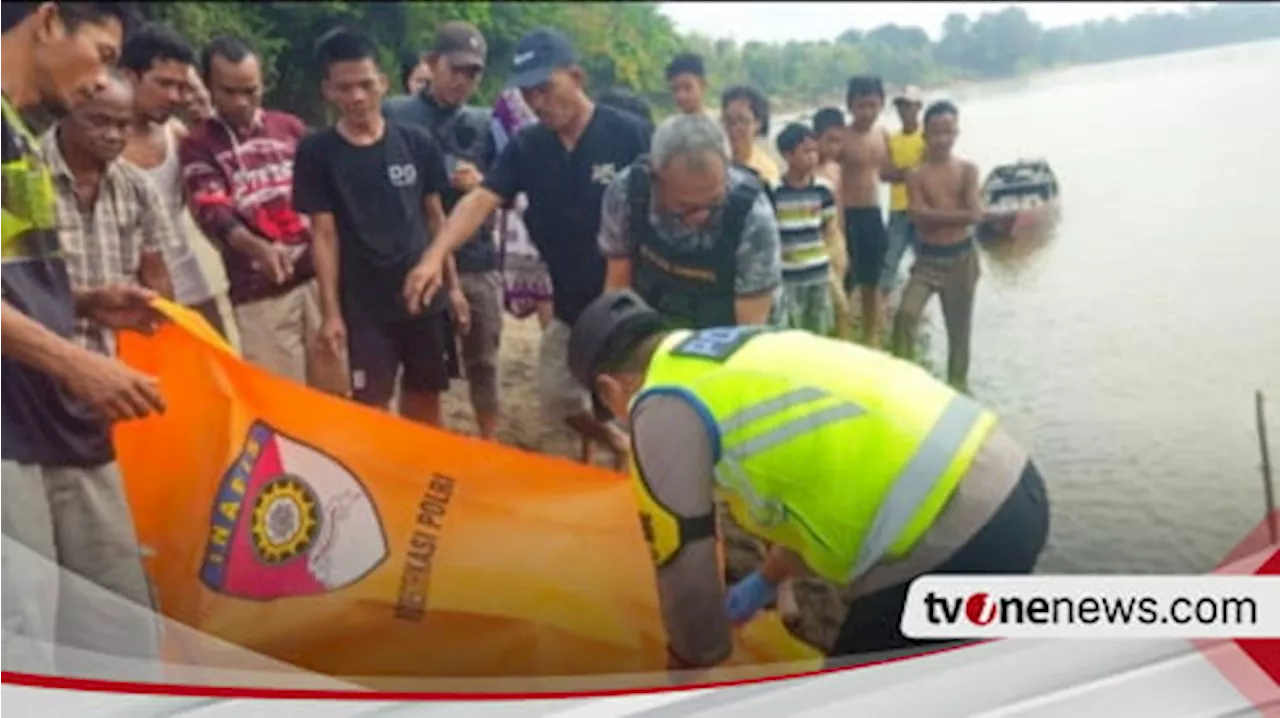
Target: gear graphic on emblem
286	519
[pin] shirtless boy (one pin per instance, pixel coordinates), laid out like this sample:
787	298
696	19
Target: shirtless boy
828	129
864	151
944	205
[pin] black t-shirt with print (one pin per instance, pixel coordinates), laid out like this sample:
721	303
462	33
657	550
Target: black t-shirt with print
376	195
565	189
41	423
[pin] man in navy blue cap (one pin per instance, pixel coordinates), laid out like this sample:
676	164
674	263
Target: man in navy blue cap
540	53
563	165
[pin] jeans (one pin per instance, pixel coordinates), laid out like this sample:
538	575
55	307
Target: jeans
902	234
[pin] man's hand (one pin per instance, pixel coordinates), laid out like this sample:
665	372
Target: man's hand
113	389
120	306
461	311
466	176
333	333
274	260
748	597
423	281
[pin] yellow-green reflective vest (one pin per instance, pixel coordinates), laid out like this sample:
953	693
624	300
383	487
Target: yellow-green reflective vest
842	454
27	223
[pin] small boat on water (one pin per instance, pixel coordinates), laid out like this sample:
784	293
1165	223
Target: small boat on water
1017	198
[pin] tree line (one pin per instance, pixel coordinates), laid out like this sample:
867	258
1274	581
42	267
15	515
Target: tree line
627	45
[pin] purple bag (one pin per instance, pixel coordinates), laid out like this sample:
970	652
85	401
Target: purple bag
525	281
510	115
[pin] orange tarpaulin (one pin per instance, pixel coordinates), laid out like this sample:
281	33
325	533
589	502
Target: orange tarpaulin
350	542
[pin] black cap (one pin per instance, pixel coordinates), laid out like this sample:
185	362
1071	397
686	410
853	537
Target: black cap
538	54
461	44
610	325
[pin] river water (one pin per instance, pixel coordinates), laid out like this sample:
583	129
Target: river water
1125	350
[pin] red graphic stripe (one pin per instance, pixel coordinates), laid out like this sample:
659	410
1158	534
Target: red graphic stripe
1252	666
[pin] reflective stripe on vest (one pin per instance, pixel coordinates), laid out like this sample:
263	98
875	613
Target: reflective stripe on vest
28	223
910	488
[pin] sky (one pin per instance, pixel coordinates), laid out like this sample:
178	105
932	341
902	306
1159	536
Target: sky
781	21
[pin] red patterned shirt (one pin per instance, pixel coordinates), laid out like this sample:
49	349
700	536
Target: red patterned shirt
246	180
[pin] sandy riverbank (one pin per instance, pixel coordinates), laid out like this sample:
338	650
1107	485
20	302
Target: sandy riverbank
521	425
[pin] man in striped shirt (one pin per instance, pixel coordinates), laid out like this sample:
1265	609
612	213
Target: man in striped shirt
806	210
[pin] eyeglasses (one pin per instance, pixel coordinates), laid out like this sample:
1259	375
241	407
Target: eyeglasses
738	120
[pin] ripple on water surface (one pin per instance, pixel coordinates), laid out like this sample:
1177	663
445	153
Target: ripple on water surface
1125	350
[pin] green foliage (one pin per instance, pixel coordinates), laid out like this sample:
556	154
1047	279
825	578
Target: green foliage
621	43
628	44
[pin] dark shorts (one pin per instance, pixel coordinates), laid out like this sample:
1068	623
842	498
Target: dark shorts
866	241
378	350
1009	543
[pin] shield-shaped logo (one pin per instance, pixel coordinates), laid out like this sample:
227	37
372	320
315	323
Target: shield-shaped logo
289	520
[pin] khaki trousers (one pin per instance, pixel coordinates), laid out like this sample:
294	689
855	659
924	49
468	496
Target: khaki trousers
75	593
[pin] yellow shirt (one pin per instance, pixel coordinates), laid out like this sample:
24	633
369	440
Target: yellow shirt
905	151
762	163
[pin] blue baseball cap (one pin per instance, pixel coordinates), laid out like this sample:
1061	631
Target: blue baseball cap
539	53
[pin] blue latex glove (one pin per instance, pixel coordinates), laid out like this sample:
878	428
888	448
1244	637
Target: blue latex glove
748	597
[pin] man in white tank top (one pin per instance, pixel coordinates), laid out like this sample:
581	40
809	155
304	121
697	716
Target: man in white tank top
158	62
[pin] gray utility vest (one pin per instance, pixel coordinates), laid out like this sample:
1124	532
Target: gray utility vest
692	287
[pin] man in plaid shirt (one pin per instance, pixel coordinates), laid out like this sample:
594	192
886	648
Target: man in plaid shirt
110	216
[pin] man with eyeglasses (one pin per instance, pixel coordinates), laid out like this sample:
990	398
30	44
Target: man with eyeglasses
692	234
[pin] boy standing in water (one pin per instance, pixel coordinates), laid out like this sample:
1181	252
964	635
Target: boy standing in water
862	155
906	151
944	205
806	210
828	131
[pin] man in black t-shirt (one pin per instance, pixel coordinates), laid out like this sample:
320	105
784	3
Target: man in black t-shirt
64	505
562	164
372	189
457	60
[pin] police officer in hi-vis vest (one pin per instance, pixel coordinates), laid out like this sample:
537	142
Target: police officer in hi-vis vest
857	467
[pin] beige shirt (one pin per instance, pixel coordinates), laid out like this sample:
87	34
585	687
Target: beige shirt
210	261
190	285
763	164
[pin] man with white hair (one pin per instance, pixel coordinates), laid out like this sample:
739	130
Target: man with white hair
693	235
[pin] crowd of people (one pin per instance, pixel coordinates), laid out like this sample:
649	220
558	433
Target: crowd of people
375	258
